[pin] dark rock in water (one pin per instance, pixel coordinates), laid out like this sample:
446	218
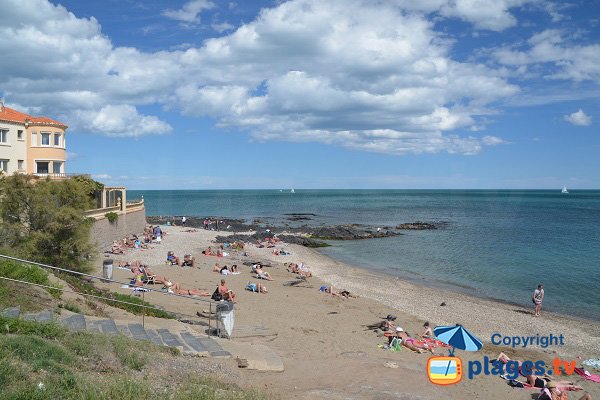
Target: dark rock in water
348	232
443	304
417	226
298	218
301	214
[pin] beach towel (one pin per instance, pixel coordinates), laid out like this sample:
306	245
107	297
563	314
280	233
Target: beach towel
432	342
588	376
592	362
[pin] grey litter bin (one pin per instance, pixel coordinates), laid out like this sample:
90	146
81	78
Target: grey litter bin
225	317
107	269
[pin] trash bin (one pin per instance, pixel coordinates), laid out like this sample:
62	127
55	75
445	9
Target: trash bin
225	317
107	269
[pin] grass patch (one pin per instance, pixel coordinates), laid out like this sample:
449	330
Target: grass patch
34	367
82	286
27	273
71	306
131	357
49	330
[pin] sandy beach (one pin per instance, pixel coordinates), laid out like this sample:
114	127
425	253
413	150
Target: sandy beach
326	347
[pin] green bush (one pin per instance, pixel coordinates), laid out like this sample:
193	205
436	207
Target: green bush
43	220
112	217
28	273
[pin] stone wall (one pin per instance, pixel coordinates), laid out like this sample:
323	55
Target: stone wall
104	233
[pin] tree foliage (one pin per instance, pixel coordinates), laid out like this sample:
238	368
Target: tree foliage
43	220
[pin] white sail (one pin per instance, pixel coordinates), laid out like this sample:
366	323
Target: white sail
564	190
292	191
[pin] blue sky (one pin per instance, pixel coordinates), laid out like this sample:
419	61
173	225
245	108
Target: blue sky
313	94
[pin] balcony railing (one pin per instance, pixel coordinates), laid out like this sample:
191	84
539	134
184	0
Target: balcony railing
60	175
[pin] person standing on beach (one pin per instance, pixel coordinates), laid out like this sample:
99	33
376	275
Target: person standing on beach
538	297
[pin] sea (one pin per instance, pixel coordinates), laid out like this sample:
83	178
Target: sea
497	244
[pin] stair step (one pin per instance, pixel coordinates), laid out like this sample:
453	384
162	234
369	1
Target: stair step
138	332
193	342
124	331
75	322
108	326
44	316
12	312
154	337
170	339
93	326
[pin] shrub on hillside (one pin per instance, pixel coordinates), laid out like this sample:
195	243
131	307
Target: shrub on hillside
43	220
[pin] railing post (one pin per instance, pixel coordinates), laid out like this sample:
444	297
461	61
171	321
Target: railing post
144	308
209	318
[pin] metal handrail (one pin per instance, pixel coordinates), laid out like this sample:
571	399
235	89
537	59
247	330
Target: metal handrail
210	301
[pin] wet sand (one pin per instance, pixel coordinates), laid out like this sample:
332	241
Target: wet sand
323	340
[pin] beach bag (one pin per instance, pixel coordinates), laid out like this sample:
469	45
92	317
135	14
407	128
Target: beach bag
216	296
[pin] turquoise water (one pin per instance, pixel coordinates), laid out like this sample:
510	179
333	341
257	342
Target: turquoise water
497	244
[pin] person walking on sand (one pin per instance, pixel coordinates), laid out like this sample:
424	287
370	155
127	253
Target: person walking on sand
538	297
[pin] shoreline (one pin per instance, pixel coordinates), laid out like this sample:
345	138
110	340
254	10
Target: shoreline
362	282
435	284
325	343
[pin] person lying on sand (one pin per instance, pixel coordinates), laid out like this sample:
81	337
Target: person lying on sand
553	392
225	292
225	270
116	248
341	293
208	252
256	287
536	381
411	343
178	289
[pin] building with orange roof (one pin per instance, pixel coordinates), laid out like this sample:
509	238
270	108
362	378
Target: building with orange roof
31	145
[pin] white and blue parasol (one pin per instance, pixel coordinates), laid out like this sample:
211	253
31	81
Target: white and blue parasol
457	337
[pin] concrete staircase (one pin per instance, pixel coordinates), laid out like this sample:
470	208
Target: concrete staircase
189	343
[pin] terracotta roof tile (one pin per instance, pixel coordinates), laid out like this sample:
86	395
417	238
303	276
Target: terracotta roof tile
10	115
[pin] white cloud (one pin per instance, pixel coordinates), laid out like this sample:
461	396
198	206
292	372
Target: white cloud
222	27
563	59
339	72
578	118
190	12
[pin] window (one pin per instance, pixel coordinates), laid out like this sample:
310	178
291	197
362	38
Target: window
3	135
57	139
42	167
20	134
34	139
45	139
57	167
20	165
3	165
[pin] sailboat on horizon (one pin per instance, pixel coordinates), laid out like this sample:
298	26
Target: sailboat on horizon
564	190
292	191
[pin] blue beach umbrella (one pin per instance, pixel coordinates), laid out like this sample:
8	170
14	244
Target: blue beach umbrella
457	337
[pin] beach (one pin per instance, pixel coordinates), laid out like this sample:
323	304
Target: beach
323	340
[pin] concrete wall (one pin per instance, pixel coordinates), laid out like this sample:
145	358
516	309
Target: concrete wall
104	233
15	149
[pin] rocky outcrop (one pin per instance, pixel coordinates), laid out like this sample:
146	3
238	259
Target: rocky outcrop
418	226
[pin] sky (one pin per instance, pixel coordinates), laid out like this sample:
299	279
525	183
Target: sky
199	94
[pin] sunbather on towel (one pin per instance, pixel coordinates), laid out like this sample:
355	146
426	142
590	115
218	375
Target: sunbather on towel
178	289
150	274
553	392
411	343
260	274
208	252
534	380
256	287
